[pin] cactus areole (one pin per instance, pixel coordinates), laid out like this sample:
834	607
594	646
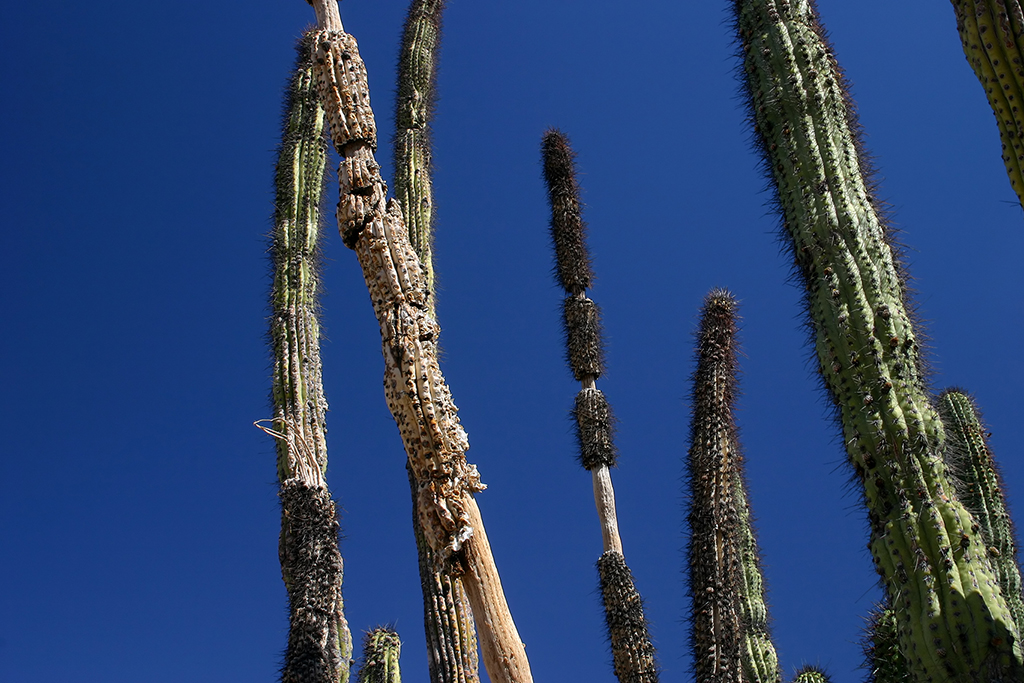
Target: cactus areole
953	622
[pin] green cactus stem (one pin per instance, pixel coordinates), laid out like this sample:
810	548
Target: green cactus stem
883	659
448	622
954	623
632	650
991	34
811	674
381	652
319	641
414	387
979	486
729	615
414	110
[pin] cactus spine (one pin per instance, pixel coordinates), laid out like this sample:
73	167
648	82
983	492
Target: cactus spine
883	659
632	650
415	389
991	34
811	674
448	621
319	642
381	652
979	487
729	615
953	620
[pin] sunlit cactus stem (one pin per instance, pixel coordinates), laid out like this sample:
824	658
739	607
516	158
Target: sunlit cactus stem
319	642
382	650
811	674
992	34
729	615
952	619
448	620
980	488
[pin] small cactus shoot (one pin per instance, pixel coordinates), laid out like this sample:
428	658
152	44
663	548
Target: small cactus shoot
381	651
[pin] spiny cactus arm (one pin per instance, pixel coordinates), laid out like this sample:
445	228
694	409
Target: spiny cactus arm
992	34
414	109
811	674
954	621
980	488
414	388
381	651
319	642
632	651
729	614
883	659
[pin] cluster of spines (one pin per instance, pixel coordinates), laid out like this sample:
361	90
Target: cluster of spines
992	34
319	643
632	650
447	617
953	622
883	659
382	650
729	615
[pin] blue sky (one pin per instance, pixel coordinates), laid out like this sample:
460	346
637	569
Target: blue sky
138	516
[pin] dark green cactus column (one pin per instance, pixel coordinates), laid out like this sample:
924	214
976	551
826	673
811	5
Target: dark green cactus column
447	617
319	642
883	659
632	650
729	615
381	652
953	621
991	34
980	488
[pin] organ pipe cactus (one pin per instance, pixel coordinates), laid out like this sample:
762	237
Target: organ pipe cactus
448	620
728	614
992	34
381	651
952	618
415	389
632	651
319	642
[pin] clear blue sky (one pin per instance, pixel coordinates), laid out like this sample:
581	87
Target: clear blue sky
138	512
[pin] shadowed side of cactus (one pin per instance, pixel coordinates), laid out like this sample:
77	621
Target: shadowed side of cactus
953	621
447	617
992	35
319	642
633	653
883	659
381	652
980	488
729	616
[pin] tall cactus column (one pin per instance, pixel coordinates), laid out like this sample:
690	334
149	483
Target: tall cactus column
415	389
632	651
319	642
447	616
729	613
953	620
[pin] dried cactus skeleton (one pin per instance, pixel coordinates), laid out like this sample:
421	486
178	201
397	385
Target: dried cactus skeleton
940	533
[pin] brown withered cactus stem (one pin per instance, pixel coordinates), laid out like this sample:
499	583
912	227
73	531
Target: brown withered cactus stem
415	389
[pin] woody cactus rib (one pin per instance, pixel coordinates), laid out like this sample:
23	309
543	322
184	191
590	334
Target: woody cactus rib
980	488
632	650
954	623
447	618
992	35
415	390
729	615
319	642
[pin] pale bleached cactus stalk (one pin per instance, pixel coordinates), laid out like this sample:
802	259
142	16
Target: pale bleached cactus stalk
415	389
632	651
319	642
953	621
729	614
447	618
382	650
980	488
992	34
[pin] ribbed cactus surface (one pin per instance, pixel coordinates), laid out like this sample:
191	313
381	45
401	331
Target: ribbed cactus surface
382	650
953	621
728	613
